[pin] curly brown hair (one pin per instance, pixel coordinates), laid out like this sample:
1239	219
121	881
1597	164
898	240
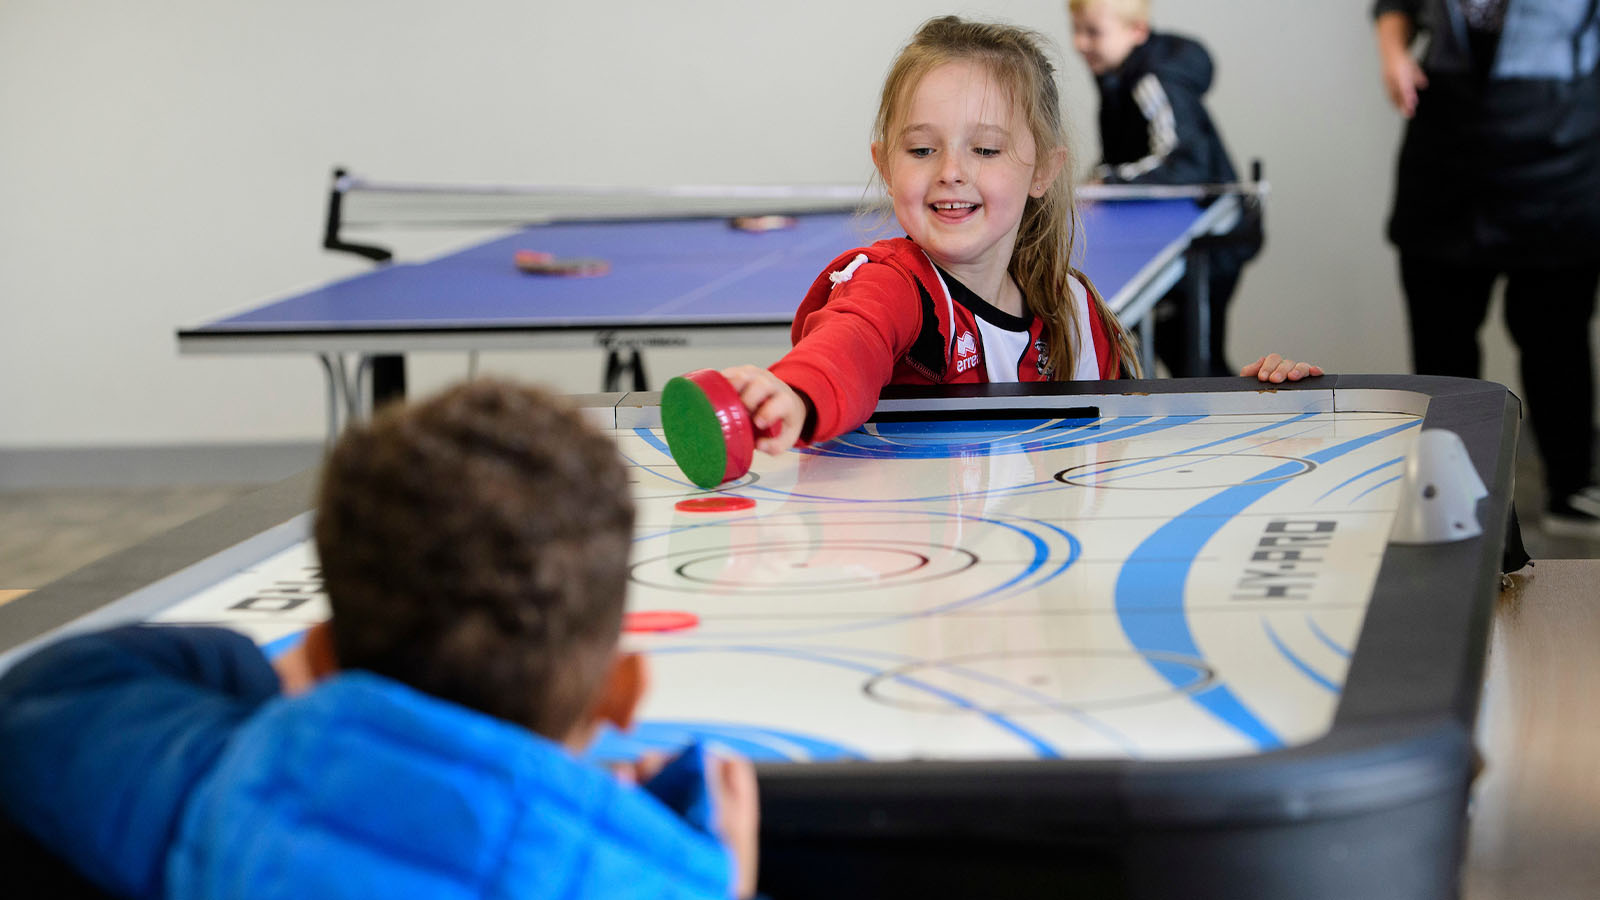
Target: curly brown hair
475	547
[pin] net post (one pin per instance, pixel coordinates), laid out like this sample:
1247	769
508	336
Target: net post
330	232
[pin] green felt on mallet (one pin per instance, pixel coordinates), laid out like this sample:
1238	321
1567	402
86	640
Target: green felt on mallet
708	430
694	432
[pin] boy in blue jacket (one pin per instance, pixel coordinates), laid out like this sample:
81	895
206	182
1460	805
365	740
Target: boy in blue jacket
423	742
1154	129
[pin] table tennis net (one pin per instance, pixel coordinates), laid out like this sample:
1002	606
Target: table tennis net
357	204
373	204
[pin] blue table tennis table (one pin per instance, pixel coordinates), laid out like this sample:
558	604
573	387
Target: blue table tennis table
672	283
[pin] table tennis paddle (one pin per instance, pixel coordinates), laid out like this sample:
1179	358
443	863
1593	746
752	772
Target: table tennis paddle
535	262
708	429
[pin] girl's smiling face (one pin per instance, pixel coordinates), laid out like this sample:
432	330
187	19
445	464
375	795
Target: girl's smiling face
960	168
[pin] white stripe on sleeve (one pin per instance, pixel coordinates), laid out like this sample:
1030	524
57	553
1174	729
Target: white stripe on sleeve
1163	129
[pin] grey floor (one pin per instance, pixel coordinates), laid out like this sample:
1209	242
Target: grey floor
45	534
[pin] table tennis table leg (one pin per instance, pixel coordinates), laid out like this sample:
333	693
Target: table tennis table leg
1147	346
1197	312
616	368
388	379
333	371
344	391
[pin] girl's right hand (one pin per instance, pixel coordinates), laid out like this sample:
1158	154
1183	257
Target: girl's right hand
771	403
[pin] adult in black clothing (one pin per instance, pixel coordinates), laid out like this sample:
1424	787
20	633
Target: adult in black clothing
1154	129
1499	176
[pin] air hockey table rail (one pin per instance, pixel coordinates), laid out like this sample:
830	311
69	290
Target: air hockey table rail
1375	807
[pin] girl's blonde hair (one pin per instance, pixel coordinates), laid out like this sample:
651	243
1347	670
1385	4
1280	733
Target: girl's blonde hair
1041	262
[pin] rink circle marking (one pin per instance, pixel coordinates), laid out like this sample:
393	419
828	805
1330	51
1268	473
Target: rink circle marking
911	563
669	483
984	681
1130	480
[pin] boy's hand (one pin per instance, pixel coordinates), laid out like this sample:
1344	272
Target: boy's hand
732	781
700	784
638	771
294	671
771	403
1276	369
300	667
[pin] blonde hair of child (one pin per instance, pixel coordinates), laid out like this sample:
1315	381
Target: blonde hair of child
1131	11
1041	261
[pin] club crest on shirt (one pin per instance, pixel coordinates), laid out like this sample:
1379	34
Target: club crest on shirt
1041	359
966	351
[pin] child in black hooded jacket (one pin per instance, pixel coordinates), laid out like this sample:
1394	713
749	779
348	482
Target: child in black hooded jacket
1154	129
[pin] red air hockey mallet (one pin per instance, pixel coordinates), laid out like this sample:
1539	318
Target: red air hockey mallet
708	429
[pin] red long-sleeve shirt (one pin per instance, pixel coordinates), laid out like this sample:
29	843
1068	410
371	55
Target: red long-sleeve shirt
891	320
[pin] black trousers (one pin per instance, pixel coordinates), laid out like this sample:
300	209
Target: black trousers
1173	327
1547	311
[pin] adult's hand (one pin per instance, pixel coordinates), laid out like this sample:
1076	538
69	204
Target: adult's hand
1402	76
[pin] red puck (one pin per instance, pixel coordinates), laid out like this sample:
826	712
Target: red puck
659	620
719	503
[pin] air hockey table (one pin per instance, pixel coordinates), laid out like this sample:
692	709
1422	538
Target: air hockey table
1136	639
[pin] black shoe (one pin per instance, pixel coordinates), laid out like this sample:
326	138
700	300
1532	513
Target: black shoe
1577	515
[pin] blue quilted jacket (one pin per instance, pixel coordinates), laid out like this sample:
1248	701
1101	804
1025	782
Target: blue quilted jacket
167	778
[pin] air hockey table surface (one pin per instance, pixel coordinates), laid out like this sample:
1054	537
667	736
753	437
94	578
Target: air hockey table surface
1139	638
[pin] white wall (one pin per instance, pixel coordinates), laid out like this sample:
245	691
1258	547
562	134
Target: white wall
164	163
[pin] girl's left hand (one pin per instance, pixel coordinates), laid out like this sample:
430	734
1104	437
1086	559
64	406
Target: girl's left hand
1277	369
